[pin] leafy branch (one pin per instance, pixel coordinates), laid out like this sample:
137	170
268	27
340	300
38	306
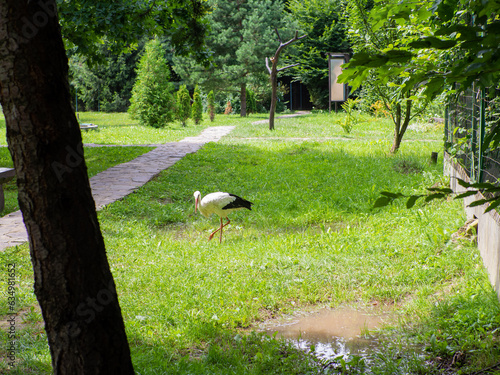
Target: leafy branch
443	193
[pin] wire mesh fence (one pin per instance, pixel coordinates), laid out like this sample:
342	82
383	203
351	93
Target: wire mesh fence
472	126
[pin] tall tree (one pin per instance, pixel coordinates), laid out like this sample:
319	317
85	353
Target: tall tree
273	73
183	105
73	282
390	83
197	106
152	101
241	36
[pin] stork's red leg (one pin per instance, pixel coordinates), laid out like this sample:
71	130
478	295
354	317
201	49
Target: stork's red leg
222	226
219	229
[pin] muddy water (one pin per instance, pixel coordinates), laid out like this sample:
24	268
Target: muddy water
331	333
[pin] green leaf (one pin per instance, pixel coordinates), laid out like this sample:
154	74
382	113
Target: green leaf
434	196
479	202
434	86
483	185
412	200
432	42
442	190
466	194
493	205
463	183
399	55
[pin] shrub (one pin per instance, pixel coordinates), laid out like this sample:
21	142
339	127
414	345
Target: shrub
351	117
229	108
211	105
152	101
197	107
251	102
183	104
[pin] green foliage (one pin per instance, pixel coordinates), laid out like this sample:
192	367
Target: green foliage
152	100
352	117
490	189
383	64
441	43
197	106
240	38
326	29
122	23
211	105
106	86
251	102
183	105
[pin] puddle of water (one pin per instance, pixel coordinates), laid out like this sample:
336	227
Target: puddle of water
331	333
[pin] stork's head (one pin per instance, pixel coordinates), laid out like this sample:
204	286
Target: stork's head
197	196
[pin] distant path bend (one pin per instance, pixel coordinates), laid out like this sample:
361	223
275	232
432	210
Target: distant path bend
298	113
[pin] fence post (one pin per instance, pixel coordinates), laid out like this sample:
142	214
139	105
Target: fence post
473	145
482	126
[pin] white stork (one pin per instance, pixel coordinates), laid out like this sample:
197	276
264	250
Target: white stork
221	204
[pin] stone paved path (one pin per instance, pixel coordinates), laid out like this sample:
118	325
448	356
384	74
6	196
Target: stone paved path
121	180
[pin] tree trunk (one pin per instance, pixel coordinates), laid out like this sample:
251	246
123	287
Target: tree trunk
273	73
73	282
400	125
243	100
274	93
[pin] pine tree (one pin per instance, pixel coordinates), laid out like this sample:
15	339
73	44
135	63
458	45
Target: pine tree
183	104
152	101
241	36
197	107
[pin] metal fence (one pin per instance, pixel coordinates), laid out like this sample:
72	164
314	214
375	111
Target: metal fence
469	120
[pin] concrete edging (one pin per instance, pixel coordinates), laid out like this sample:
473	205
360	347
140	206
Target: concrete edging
488	229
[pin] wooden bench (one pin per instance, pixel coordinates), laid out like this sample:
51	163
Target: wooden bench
6	174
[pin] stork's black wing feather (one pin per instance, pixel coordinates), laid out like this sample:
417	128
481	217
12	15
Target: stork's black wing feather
238	203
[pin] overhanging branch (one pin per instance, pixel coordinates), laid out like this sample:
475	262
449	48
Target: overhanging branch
285	67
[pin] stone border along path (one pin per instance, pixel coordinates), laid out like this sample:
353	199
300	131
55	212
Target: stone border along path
122	179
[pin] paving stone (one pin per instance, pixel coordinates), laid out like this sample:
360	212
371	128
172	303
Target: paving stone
121	180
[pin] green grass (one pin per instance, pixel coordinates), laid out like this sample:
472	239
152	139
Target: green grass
312	239
120	129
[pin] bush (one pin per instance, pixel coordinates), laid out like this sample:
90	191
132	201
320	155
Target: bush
197	107
251	102
211	105
152	101
229	108
183	109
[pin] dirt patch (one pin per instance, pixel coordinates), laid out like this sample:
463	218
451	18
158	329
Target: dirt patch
24	318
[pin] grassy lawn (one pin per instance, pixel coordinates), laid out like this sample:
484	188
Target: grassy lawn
120	129
312	240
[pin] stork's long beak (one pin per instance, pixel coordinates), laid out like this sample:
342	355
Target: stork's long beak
195	204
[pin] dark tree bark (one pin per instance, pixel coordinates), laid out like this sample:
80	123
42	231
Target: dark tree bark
73	282
273	72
